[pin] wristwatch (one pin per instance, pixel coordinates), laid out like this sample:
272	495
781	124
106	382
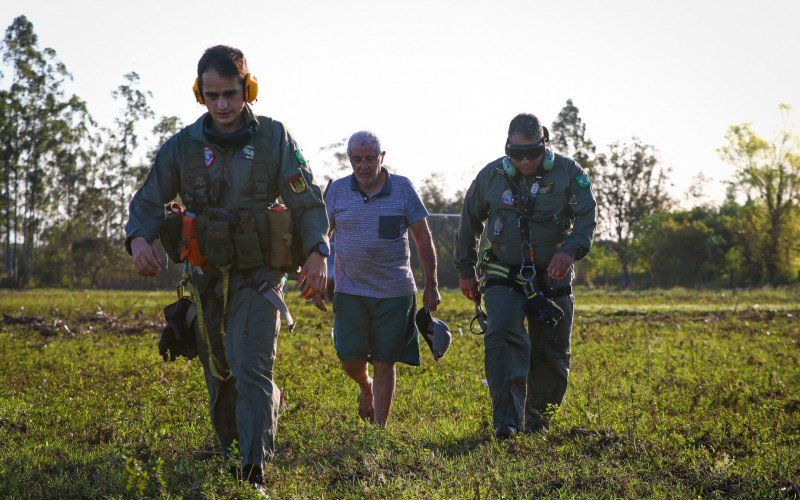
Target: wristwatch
321	248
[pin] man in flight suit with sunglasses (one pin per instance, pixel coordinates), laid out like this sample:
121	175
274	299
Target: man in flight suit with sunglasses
539	213
229	167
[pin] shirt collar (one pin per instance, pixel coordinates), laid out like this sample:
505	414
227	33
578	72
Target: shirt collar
386	190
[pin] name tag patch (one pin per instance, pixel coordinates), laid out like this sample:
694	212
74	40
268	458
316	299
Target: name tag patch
546	188
247	152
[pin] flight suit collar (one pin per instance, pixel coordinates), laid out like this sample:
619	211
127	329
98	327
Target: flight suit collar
196	129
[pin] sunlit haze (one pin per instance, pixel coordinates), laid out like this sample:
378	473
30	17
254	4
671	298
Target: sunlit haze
439	81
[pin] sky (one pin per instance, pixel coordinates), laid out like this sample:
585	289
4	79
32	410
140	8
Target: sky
439	81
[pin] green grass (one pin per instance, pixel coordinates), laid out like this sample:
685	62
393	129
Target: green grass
672	394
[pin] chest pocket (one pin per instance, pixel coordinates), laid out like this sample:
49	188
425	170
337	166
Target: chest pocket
390	227
501	223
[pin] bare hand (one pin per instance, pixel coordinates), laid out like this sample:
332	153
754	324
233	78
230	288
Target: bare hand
560	265
144	257
313	279
469	287
431	298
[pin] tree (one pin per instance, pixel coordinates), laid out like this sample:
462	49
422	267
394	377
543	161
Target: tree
336	164
443	223
769	174
630	184
39	135
684	248
123	157
569	137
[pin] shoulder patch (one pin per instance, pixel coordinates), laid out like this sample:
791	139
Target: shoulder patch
583	181
298	153
298	183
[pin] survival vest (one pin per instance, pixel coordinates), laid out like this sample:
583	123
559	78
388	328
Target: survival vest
250	237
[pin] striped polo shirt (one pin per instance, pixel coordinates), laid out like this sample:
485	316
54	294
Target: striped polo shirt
372	253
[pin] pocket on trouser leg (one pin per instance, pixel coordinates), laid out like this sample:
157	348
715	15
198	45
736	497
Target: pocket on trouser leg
257	337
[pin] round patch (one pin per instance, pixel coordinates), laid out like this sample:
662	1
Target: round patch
507	198
208	157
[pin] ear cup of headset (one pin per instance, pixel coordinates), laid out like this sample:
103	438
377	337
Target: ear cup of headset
198	94
250	89
548	159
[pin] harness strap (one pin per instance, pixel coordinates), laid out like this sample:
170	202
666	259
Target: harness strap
276	299
260	162
274	295
550	292
218	370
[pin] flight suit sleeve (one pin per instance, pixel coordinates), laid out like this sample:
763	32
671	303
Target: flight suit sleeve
300	193
470	228
583	208
146	210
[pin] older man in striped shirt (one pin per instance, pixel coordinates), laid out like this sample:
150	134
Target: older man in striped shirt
370	213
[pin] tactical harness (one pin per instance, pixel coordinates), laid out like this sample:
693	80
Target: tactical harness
525	278
262	234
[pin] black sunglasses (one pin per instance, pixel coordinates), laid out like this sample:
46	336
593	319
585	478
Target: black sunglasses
531	151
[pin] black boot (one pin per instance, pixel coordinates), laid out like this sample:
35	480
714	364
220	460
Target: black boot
505	432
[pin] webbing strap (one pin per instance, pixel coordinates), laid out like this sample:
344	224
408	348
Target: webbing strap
261	162
523	206
214	365
276	299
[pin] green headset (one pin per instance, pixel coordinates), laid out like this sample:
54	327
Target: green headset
548	159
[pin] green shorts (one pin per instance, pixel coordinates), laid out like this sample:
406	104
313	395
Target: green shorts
371	329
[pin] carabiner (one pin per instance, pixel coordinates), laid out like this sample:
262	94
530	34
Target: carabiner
527	272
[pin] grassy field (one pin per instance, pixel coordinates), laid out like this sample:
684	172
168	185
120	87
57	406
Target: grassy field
672	394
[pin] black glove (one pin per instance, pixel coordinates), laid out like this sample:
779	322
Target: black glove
176	338
542	310
169	346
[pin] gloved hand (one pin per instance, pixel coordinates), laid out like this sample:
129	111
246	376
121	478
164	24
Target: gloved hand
176	337
170	345
542	310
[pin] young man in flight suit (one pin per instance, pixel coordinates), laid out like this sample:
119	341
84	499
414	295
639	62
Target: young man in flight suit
541	219
228	167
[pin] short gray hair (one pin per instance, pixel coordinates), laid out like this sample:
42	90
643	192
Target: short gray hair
364	138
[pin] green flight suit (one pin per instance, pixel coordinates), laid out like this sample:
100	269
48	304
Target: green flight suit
245	406
527	370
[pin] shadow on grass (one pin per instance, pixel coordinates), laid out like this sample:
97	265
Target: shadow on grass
458	448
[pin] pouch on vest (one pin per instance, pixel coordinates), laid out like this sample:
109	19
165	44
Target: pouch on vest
262	229
170	234
218	248
280	236
190	250
248	247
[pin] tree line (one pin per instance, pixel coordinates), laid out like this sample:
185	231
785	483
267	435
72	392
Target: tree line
66	181
646	239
